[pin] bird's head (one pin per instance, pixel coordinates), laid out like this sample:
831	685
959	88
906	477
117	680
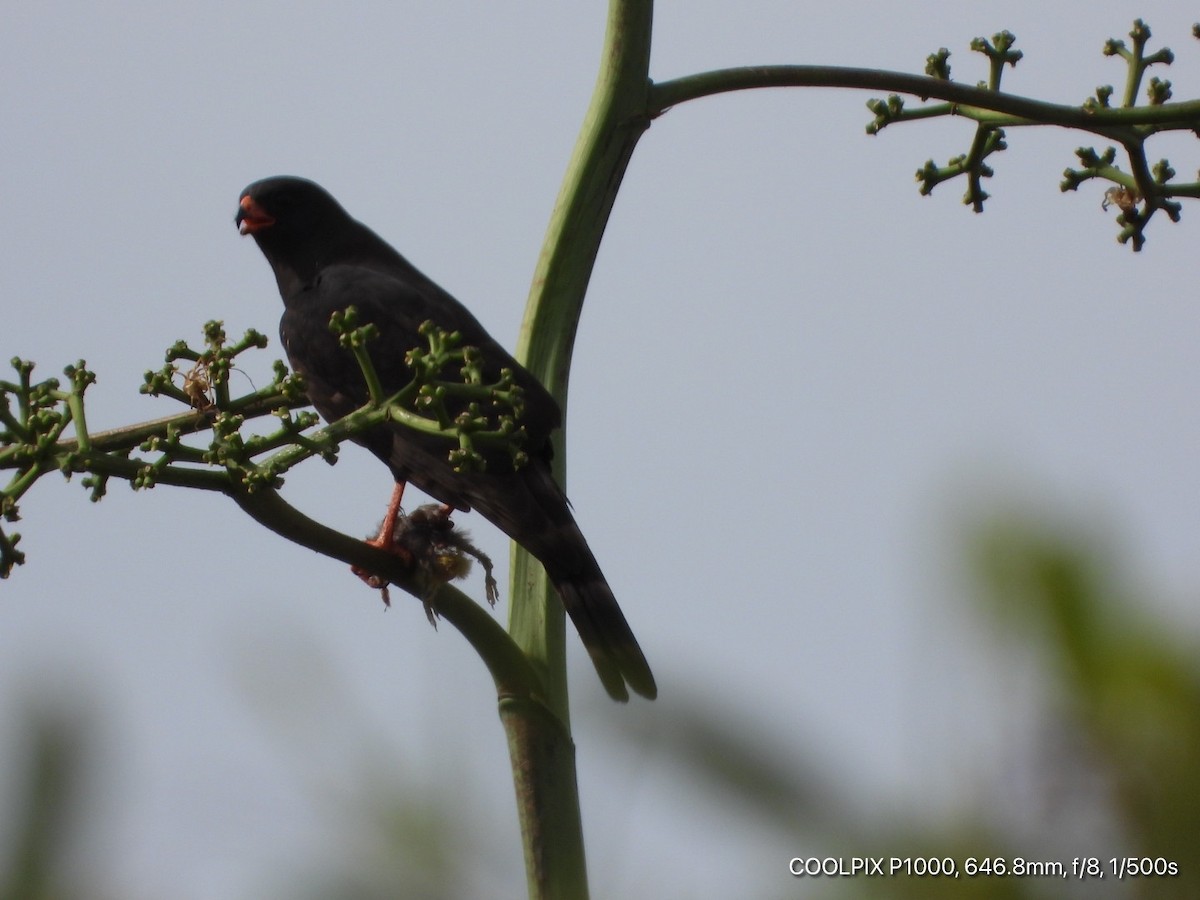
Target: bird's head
286	207
298	226
301	230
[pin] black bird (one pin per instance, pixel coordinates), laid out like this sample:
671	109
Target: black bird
325	261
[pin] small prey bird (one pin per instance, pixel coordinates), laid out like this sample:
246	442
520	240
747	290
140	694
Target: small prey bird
325	261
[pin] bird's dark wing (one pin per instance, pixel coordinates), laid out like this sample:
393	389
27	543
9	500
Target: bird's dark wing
526	504
335	382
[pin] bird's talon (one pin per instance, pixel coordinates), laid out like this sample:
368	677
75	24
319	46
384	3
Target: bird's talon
374	582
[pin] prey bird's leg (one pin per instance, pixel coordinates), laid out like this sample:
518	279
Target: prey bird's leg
384	540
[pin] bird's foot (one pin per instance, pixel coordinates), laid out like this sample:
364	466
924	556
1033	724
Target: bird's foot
377	582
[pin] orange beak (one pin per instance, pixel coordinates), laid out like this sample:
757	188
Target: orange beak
251	217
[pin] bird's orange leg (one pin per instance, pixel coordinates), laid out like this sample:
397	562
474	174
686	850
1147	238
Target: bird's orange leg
384	540
387	528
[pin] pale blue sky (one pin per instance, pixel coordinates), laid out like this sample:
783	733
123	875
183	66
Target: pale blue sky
796	382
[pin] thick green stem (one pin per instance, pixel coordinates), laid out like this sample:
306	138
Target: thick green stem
615	120
543	756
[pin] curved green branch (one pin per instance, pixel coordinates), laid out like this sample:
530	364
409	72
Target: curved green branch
511	671
965	99
1128	125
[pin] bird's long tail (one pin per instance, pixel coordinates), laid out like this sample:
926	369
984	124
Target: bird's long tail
531	508
602	627
560	546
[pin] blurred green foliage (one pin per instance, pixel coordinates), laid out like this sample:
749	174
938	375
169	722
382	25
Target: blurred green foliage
1129	684
43	820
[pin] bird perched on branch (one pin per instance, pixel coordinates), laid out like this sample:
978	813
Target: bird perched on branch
324	262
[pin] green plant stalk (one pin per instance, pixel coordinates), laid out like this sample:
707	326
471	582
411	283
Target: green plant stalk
11	423
374	388
1107	121
540	746
111	465
614	122
128	437
23	482
75	405
555	864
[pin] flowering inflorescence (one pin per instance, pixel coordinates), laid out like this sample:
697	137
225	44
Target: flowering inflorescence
1137	193
447	397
